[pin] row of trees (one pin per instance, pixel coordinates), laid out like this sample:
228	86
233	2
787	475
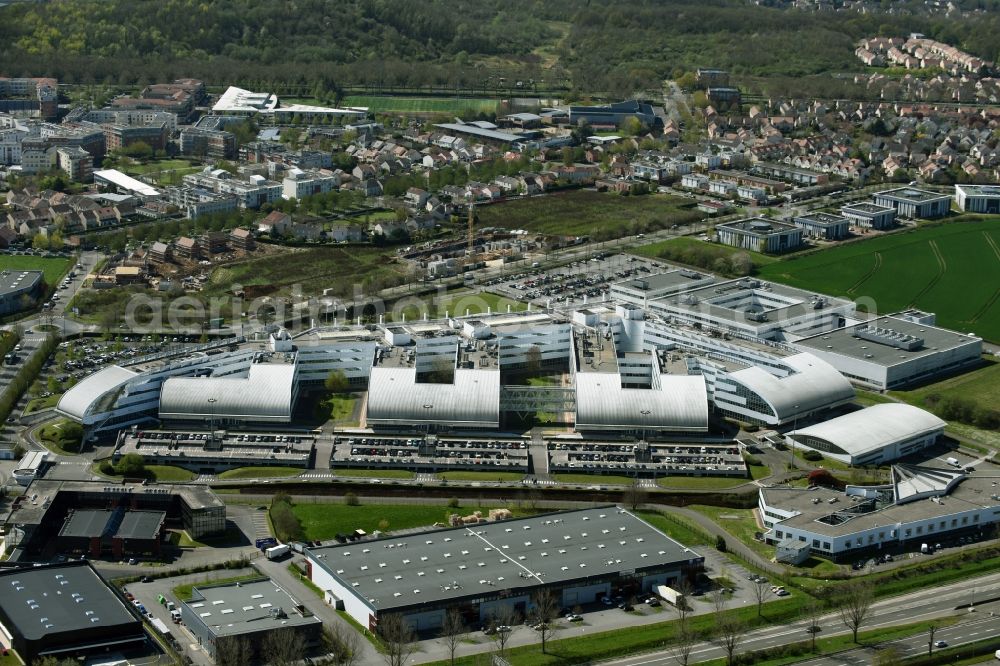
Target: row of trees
25	377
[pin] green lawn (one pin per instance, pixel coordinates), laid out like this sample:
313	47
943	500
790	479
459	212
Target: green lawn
676	249
155	166
52	436
167	473
38	404
869	398
951	269
701	482
481	476
379	104
260	472
738	522
325	521
981	387
677	527
338	407
183	592
453	303
590	213
53	268
376	473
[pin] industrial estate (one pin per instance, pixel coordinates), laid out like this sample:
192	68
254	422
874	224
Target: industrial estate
472	351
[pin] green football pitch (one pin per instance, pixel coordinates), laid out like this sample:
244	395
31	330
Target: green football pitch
951	269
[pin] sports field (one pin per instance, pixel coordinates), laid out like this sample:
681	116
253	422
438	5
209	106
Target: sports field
379	104
53	268
952	269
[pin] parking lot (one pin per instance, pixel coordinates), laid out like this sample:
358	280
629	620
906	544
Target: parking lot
648	459
429	454
585	281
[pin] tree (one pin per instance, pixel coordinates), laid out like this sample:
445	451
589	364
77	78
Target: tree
544	612
453	632
720	543
397	638
633	496
336	382
813	612
855	604
761	591
283	647
131	464
729	632
344	643
501	622
686	637
233	651
888	656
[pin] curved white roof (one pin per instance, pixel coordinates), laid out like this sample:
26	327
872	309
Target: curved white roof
76	402
265	394
874	428
473	400
813	384
681	403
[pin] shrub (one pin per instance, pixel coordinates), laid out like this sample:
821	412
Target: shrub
350	499
753	460
812	456
453	503
286	524
720	544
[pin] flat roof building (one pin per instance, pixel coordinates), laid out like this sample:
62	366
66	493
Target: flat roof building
919	505
760	234
480	568
913	203
872	436
978	198
64	611
18	290
641	290
248	609
114	179
868	215
823	225
118	532
891	351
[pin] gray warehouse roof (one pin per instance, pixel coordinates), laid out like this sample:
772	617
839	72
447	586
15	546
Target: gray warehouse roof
484	558
843	341
265	394
473	400
18	280
41	601
245	607
88	523
681	403
868	430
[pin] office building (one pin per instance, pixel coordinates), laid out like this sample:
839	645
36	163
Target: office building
978	198
760	234
914	203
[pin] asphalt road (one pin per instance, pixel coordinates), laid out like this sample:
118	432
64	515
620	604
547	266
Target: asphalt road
921	605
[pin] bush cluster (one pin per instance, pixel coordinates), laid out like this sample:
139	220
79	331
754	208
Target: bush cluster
286	524
952	408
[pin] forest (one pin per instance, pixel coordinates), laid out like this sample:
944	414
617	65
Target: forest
323	46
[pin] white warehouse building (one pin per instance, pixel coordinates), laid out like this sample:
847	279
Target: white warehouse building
872	436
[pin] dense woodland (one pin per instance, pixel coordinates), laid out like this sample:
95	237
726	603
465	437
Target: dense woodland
322	45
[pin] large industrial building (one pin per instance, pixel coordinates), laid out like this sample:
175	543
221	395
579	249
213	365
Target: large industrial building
249	610
93	516
919	505
978	198
580	556
913	203
872	436
894	351
64	611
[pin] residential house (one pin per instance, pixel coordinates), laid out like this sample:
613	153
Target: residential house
275	224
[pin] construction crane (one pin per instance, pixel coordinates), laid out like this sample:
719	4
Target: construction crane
470	239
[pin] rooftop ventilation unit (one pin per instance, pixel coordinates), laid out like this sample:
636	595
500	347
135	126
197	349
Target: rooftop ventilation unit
889	337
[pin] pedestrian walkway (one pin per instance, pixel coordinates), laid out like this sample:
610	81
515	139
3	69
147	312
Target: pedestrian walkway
425	477
317	475
205	478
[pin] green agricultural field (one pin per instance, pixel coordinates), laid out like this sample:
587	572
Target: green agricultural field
452	105
952	269
53	268
588	213
315	269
